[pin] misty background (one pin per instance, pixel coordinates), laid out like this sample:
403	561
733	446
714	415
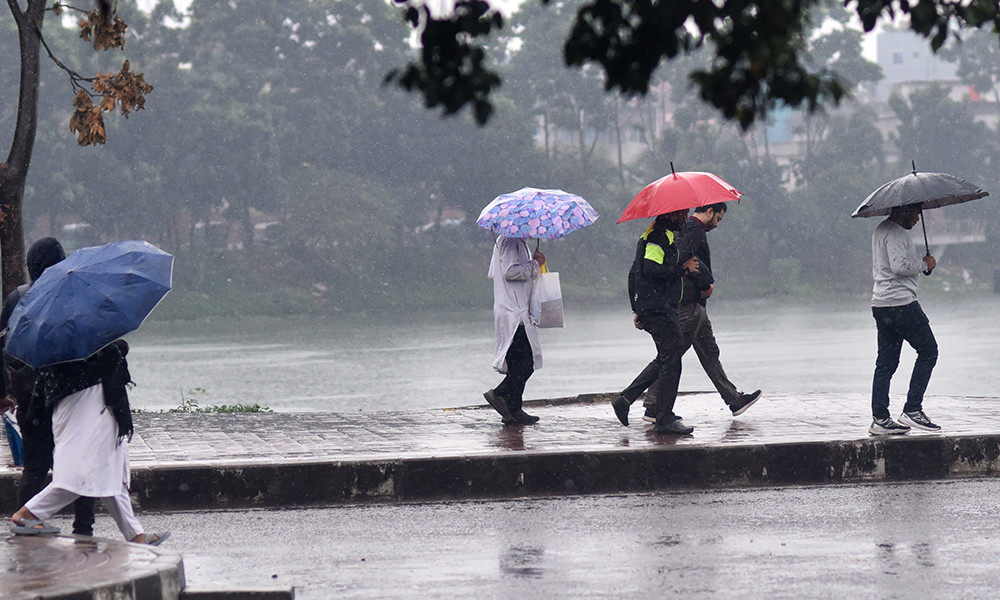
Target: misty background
287	179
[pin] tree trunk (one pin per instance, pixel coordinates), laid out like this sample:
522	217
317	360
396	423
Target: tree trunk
14	171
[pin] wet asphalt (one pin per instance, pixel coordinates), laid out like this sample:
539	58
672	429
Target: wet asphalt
886	540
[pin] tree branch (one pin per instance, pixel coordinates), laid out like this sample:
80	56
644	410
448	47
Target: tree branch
74	77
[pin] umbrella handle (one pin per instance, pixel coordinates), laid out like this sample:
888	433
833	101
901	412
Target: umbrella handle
927	247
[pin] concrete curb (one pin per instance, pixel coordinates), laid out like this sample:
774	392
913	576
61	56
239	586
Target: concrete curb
530	474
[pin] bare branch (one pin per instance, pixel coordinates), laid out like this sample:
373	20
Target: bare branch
74	77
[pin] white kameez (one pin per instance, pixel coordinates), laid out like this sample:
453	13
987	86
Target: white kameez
513	272
88	459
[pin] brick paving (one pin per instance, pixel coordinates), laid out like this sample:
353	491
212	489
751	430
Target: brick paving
587	425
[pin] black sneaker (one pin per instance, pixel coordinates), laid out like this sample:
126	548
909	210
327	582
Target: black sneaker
887	426
520	417
650	415
919	420
621	406
499	404
744	402
673	428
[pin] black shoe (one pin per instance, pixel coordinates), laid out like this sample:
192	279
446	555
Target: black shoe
650	415
621	406
520	417
672	428
744	402
499	404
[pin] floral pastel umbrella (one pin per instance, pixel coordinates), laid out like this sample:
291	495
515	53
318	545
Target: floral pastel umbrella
531	213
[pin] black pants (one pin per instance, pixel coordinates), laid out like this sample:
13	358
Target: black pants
520	366
895	325
38	447
665	370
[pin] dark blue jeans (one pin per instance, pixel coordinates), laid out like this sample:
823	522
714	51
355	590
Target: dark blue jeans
897	324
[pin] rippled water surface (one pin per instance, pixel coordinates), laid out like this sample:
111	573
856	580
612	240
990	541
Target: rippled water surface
434	360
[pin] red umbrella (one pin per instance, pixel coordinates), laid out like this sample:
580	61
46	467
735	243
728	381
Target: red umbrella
679	191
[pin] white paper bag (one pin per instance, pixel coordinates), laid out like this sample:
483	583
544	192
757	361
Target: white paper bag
546	308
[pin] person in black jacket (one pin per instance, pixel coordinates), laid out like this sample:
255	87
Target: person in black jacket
654	291
36	430
692	314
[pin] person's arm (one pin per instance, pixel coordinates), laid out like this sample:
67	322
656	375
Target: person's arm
8	308
664	261
513	265
903	261
697	243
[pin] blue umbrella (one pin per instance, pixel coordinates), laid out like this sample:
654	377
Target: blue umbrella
95	296
536	214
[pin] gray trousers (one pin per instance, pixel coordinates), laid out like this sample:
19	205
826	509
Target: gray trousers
696	331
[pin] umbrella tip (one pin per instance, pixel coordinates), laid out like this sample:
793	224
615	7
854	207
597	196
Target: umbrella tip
672	169
913	164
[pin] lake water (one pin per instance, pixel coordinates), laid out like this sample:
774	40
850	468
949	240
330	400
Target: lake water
439	360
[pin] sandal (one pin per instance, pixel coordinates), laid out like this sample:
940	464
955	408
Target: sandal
32	527
155	539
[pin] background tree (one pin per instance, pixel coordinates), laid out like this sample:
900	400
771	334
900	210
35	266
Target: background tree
125	90
758	48
360	199
978	57
833	46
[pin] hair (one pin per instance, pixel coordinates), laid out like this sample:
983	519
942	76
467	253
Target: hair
717	207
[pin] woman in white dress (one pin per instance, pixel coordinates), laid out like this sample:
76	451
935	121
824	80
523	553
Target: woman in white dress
91	426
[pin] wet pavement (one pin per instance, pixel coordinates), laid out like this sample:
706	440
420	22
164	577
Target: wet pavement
585	424
78	567
196	460
937	539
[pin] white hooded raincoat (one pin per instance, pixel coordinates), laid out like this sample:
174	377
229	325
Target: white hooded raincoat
513	272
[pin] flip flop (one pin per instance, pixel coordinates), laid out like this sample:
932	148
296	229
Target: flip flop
33	527
155	539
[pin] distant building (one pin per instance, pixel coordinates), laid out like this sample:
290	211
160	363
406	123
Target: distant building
907	59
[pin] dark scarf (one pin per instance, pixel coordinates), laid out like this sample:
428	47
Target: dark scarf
107	366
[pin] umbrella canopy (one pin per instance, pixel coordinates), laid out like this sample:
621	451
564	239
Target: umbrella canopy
537	214
928	190
679	191
90	299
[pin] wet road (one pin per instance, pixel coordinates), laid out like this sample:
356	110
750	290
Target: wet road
936	540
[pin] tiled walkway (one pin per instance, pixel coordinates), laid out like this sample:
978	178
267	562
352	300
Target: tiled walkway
585	426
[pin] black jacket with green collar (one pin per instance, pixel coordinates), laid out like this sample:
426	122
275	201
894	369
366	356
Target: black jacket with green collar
656	277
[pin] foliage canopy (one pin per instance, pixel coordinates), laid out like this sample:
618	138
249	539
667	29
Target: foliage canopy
759	48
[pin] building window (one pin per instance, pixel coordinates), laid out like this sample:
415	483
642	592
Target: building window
897	58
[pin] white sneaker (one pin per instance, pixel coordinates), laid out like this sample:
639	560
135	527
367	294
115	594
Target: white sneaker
887	427
919	420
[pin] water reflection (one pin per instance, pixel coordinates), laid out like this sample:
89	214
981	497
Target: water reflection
509	437
522	561
437	360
